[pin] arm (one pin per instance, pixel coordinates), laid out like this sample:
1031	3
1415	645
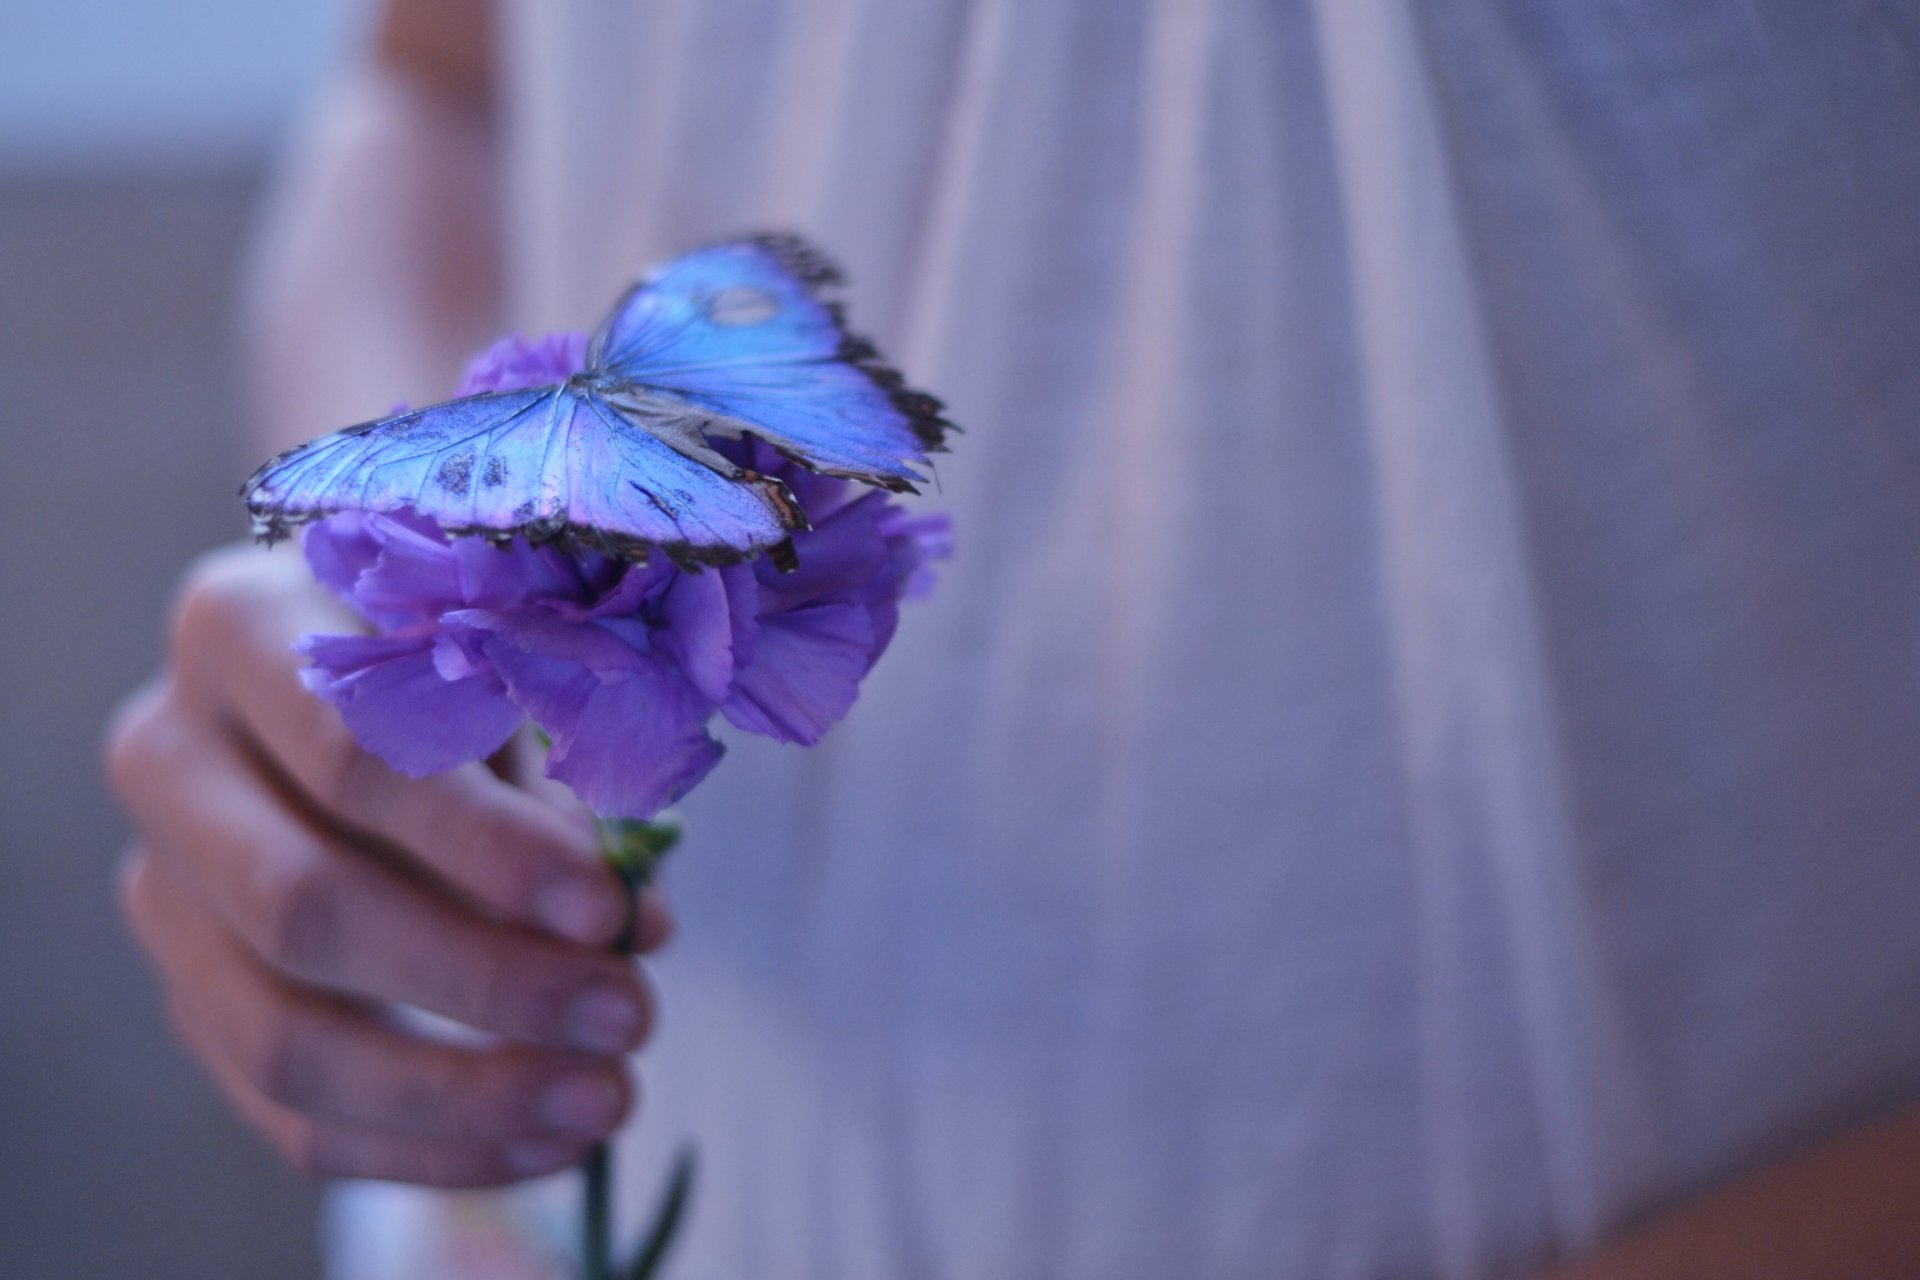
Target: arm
376	271
293	892
1850	1207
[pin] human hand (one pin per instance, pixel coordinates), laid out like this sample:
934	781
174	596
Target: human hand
293	893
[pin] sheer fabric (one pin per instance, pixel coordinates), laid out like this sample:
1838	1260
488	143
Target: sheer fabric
1412	764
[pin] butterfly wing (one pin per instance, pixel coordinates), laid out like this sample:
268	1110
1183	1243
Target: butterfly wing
745	330
545	463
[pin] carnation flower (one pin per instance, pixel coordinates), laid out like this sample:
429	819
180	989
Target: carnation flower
623	666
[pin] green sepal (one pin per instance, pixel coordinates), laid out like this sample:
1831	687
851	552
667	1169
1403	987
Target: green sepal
633	847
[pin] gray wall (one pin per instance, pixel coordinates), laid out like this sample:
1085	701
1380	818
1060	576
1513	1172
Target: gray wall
132	137
118	450
116	82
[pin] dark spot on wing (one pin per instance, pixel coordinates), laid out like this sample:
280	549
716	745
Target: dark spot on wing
496	472
659	500
456	473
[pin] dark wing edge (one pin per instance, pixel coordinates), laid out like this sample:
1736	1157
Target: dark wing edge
270	526
270	521
822	277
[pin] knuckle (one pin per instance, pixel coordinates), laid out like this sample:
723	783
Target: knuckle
215	586
302	1145
135	740
488	989
134	894
433	1095
289	1063
507	866
452	1166
437	1167
305	917
130	880
655	924
494	835
348	776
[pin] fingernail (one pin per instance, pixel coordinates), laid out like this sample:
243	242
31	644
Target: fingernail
577	907
587	1106
604	1019
530	1158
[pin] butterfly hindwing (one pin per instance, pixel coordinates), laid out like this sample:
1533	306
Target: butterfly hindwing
659	486
742	330
546	463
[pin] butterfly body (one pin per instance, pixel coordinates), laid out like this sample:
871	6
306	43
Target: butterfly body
731	341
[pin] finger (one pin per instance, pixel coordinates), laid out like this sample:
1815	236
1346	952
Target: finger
322	1149
348	1064
522	763
317	910
653	922
529	861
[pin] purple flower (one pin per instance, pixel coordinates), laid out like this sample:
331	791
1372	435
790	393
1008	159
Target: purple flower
623	666
515	362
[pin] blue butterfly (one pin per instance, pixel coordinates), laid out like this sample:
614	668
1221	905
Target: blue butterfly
733	340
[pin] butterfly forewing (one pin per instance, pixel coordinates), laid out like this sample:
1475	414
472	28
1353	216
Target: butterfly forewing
555	462
740	330
632	483
452	461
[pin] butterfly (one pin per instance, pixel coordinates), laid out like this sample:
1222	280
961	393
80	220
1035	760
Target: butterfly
734	340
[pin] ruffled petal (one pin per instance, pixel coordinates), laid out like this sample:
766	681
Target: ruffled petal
415	577
743	609
842	553
919	539
629	736
491	577
515	362
706	628
805	673
631	591
401	708
339	549
601	647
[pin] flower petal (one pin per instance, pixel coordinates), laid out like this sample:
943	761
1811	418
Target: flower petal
338	550
627	740
920	539
630	593
805	672
401	709
493	577
703	627
841	553
603	647
515	362
413	579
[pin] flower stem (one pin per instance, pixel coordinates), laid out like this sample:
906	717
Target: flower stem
633	848
596	1249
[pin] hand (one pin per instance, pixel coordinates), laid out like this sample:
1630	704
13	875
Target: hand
293	891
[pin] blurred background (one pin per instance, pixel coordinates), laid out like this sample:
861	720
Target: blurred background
135	140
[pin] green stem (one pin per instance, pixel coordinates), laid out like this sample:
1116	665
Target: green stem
633	849
596	1247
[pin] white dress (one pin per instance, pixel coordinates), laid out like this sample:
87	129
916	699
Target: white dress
1413	763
